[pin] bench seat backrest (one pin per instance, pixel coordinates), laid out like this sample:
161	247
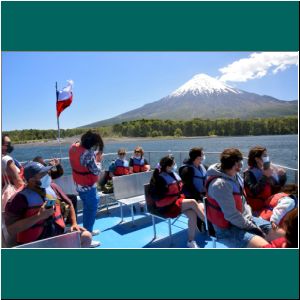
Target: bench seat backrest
68	240
132	185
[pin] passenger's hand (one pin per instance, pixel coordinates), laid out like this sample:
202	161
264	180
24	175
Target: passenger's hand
281	171
54	162
99	156
75	227
45	213
274	226
268	173
257	231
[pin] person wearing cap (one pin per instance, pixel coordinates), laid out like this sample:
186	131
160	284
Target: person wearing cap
26	216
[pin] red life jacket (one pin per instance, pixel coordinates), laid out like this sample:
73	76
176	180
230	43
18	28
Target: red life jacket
174	189
267	211
81	175
121	167
277	243
214	211
257	202
35	201
138	165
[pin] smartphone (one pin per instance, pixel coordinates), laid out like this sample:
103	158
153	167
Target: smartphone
49	203
267	165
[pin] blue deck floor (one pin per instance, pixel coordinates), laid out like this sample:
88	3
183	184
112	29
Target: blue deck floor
140	235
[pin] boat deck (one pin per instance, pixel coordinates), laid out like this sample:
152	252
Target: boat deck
115	234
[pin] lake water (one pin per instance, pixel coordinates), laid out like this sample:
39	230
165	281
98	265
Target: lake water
282	149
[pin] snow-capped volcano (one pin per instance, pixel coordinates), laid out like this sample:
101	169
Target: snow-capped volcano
208	98
203	84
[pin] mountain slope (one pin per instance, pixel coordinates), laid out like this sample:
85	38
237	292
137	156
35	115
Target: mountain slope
206	97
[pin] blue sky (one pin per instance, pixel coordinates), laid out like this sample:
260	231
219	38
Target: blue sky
110	83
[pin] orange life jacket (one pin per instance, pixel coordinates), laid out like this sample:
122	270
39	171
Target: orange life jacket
214	211
257	202
138	165
174	189
270	204
35	201
81	175
121	167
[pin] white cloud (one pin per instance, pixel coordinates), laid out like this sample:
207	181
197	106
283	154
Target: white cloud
258	65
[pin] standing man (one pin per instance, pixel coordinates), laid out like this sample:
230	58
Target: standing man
85	159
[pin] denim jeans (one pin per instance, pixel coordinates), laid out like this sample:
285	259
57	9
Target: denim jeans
90	201
234	237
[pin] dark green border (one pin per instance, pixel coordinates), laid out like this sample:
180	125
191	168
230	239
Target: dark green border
134	274
150	26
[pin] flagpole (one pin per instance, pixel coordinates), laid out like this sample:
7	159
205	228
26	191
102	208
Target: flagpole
58	128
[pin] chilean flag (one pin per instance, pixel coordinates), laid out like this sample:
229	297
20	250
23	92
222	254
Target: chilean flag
64	98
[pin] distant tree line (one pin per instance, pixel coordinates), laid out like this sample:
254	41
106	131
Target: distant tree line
201	127
31	135
157	128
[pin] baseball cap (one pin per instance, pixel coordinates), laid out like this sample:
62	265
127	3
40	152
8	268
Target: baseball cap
32	168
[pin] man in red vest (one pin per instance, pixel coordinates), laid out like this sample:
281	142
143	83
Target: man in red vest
227	208
35	212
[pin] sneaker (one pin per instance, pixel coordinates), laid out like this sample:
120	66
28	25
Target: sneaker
95	232
192	244
95	244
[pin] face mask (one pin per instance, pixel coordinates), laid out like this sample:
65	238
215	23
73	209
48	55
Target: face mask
204	158
241	163
10	148
45	181
137	156
174	168
266	159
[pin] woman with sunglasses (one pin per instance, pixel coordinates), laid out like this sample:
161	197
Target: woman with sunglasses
137	162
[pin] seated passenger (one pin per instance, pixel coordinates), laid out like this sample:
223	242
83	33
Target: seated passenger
137	162
277	206
28	218
262	179
290	226
12	179
120	166
193	175
227	209
166	190
57	171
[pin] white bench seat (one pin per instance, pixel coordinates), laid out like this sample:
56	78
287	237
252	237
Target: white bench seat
129	190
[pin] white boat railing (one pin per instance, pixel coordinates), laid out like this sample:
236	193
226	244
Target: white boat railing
153	158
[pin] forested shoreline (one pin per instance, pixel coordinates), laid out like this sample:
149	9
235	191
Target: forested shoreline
161	128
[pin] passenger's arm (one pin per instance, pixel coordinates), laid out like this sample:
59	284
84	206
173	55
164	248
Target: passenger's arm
23	224
187	178
284	205
255	187
13	174
58	173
